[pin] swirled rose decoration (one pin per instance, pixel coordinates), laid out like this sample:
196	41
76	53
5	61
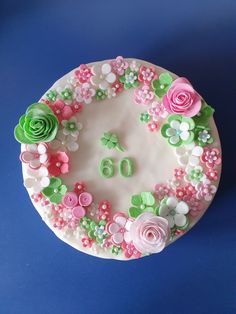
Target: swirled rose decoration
182	99
38	124
149	233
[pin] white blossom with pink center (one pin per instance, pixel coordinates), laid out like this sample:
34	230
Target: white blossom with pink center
205	190
119	228
35	155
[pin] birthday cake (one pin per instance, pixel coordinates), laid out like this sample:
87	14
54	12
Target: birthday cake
120	157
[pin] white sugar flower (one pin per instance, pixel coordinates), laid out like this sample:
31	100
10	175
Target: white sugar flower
188	155
103	76
71	127
64	142
174	211
37	179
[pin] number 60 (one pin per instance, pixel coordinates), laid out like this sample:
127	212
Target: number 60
106	167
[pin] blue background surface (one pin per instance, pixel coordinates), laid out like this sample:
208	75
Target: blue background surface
39	42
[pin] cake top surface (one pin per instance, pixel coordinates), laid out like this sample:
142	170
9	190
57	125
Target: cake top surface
120	157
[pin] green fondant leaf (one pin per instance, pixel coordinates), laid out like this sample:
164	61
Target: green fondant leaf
55	182
164	129
149	209
20	135
55	198
134	212
165	78
147	198
63	189
136	200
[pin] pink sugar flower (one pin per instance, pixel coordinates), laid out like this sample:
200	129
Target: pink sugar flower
130	250
87	242
143	95
36	197
79	187
56	208
180	193
212	174
119	228
117	87
84	93
152	126
179	173
76	106
83	73
59	164
61	110
211	157
147	74
35	155
205	191
59	222
104	210
119	65
163	190
157	111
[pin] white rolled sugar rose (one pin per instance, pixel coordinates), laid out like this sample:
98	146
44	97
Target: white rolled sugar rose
149	233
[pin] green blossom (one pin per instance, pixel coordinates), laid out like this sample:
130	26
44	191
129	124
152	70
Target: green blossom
195	175
51	95
100	94
55	190
129	79
115	249
203	136
110	140
144	117
144	202
162	84
178	130
38	124
94	230
66	94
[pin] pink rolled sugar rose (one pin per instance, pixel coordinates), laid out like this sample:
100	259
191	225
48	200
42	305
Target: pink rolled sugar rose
149	233
181	98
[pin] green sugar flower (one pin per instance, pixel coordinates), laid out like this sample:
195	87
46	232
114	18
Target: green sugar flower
162	84
144	202
129	79
38	124
110	140
51	95
195	175
66	94
202	118
203	136
94	230
144	117
178	130
115	249
55	190
100	94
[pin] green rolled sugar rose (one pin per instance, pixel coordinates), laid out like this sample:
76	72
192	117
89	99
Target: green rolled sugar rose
38	124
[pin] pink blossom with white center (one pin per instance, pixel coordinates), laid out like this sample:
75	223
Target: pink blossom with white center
152	126
179	173
205	191
212	174
119	65
83	73
211	157
130	250
119	228
157	111
84	93
143	95
146	75
163	190
35	155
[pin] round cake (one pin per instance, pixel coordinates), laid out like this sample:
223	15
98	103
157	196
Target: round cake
120	157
